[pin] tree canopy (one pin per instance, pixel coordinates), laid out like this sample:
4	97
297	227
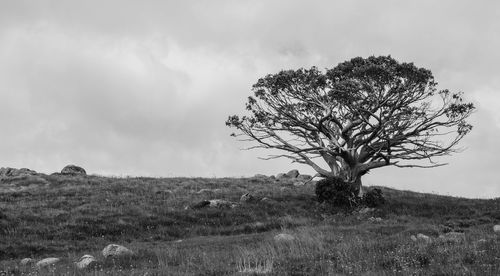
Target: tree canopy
363	114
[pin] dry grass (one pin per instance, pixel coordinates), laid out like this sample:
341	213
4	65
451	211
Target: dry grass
67	217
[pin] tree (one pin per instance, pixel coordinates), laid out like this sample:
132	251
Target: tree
360	115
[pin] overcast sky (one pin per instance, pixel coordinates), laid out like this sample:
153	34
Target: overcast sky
144	87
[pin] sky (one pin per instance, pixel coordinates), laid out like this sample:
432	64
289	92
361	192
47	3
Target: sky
143	88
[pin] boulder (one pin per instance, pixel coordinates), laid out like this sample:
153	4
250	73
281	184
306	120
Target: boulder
260	176
27	261
247	198
86	261
47	262
73	170
496	228
292	174
115	250
455	237
12	172
284	237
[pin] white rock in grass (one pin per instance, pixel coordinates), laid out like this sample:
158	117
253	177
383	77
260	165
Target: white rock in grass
47	262
496	228
366	210
86	261
422	237
413	238
115	250
26	261
284	237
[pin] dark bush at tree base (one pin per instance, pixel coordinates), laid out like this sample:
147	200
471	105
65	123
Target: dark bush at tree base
336	192
374	198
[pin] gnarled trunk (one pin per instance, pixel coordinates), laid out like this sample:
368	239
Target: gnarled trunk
357	184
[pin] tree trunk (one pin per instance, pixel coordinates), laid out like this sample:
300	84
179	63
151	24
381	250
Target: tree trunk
357	184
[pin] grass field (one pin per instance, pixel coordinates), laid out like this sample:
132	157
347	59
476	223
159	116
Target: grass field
67	217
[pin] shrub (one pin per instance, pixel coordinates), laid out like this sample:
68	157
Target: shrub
374	198
336	192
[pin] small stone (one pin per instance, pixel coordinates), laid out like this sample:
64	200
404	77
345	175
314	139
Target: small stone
26	261
219	203
247	198
258	224
86	261
496	228
284	237
115	250
413	238
366	210
422	237
372	219
47	262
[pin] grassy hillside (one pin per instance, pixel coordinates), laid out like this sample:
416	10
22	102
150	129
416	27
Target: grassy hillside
67	217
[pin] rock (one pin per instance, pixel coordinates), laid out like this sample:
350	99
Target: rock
247	198
366	210
304	177
73	170
422	237
258	224
219	203
452	237
47	262
266	199
292	174
284	237
86	261
281	176
26	261
201	204
115	250
372	219
496	228
12	172
260	176
298	183
413	238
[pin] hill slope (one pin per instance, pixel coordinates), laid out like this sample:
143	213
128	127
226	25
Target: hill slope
68	216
